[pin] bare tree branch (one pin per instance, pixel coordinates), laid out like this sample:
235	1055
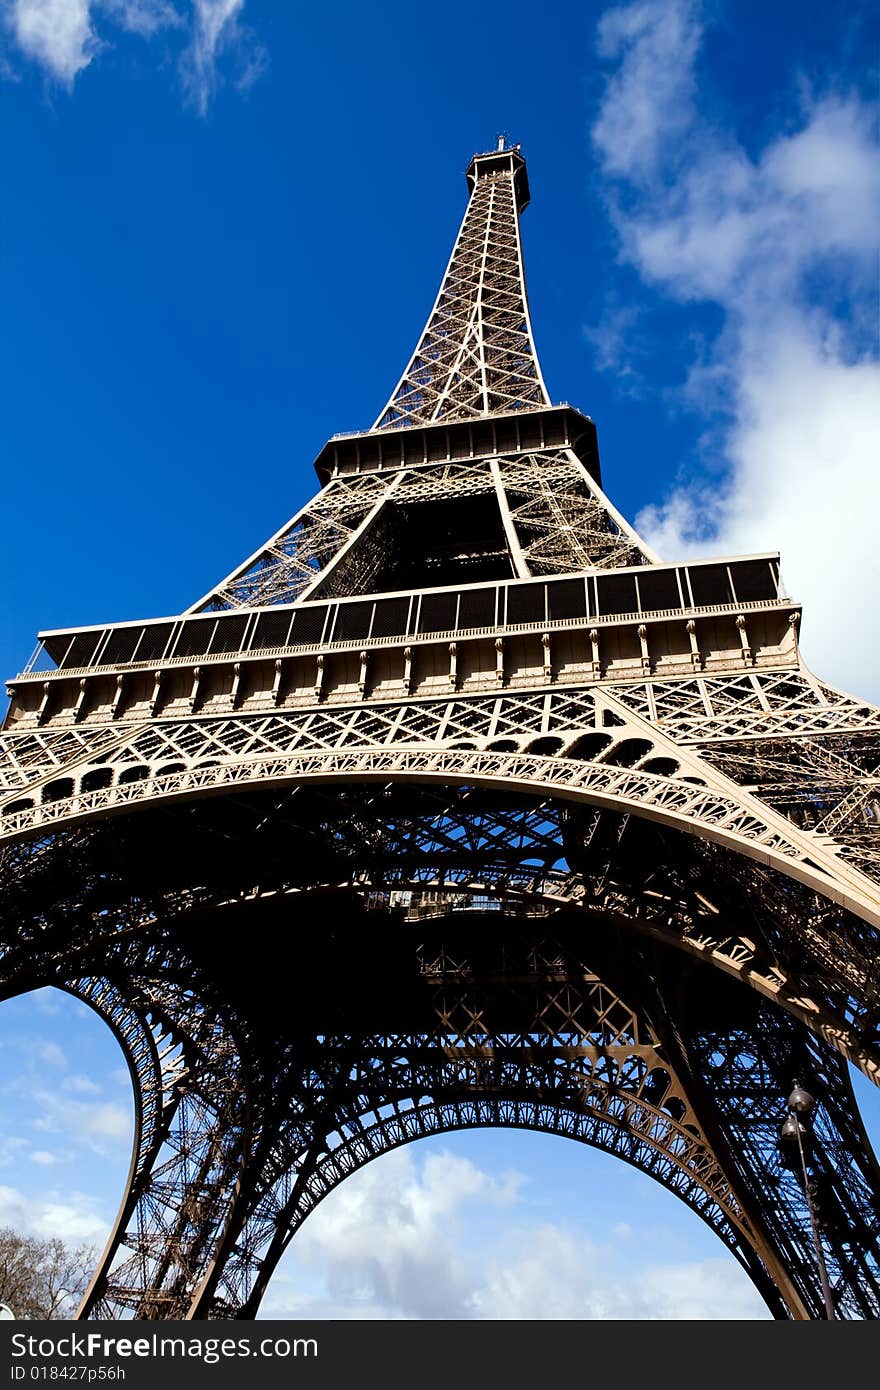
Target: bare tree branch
42	1279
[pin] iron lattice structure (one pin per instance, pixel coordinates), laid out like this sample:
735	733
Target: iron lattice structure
454	806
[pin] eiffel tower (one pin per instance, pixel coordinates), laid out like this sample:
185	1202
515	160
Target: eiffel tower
455	806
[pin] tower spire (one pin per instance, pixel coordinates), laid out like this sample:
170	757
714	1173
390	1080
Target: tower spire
476	355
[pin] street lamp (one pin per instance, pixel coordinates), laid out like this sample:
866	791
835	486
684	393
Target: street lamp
800	1102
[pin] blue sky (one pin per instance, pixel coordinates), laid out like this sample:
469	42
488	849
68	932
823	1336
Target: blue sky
222	224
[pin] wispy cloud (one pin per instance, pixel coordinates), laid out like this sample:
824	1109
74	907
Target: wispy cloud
48	1001
143	17
648	99
64	36
217	30
94	1123
550	1274
11	1149
784	242
73	1217
72	1105
53	1056
81	1085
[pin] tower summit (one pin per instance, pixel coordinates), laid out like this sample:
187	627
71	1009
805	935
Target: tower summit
450	806
476	355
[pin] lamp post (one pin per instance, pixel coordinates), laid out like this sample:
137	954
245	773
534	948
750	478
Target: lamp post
800	1102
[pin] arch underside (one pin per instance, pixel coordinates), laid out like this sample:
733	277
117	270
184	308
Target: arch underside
503	920
782	770
722	813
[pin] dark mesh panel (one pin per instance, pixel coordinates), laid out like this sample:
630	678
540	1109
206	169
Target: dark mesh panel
83	648
391	617
155	640
230	633
194	639
709	584
567	599
659	589
525	603
438	612
308	625
120	647
352	622
753	580
476	608
617	594
272	628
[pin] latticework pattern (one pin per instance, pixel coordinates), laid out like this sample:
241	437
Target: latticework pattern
476	354
473	814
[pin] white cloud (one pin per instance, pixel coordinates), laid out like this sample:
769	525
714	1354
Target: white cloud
397	1240
81	1085
612	339
143	17
83	1121
108	1121
649	96
804	462
384	1242
73	1219
58	34
548	1274
51	1054
779	241
64	36
47	1000
11	1147
216	30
